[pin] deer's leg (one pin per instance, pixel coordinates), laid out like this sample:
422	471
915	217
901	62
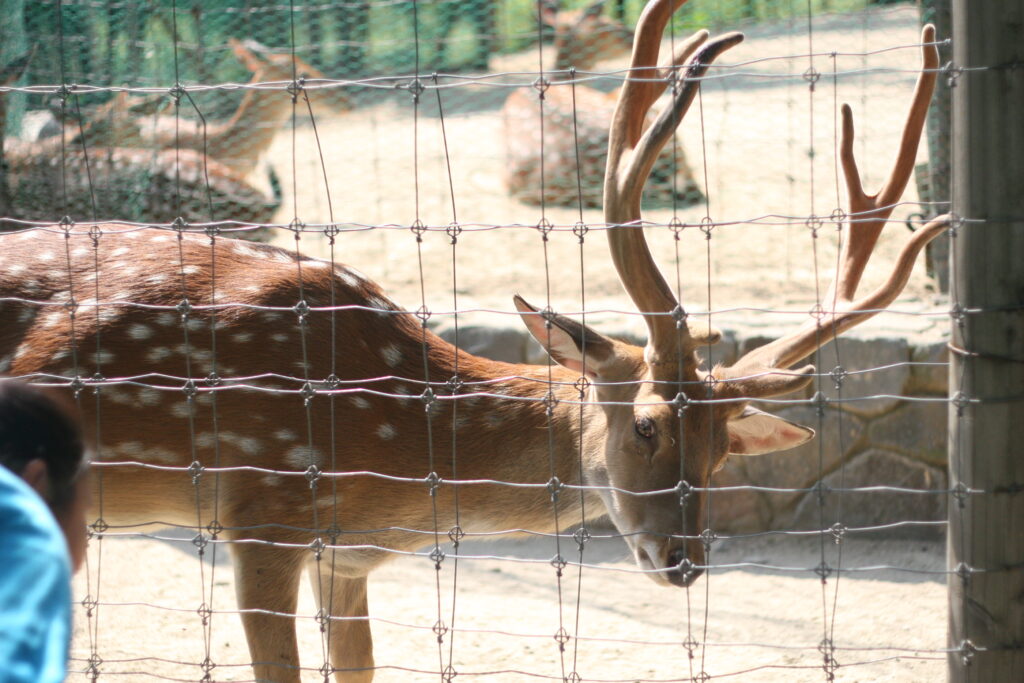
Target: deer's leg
267	585
351	644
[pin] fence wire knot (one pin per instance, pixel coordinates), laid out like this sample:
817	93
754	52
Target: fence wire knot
580	229
545	227
448	674
812	76
838	532
439	629
960	493
684	490
456	534
581	536
199	541
708	537
433	482
967	652
195	471
437	557
823	570
562	637
838	375
554	487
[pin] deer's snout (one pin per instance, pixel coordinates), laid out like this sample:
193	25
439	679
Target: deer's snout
681	569
674	566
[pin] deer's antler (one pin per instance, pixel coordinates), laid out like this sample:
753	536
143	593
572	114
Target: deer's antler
867	216
632	152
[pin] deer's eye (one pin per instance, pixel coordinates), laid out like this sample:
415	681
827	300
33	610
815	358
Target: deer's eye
644	427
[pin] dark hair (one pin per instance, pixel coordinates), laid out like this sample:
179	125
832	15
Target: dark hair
36	424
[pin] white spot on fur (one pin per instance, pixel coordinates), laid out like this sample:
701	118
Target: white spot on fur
136	450
392	355
157	354
359	402
139	331
120	251
316	264
167	319
46	256
157	279
282	257
102	357
17	269
245	249
300	457
379	303
181	410
190	270
386	431
279	337
286	435
149	397
242	337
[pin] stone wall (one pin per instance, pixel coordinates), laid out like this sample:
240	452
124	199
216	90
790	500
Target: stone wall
883	425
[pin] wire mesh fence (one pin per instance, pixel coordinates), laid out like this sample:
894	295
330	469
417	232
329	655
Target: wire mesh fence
279	404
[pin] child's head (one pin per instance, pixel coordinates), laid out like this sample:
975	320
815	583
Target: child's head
42	443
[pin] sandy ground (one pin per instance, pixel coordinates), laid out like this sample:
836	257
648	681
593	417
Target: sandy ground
758	131
759	625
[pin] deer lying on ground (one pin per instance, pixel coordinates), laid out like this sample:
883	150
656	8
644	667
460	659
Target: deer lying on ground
283	404
238	142
48	179
582	37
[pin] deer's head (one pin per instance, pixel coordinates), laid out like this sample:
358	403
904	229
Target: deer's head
583	36
267	66
669	422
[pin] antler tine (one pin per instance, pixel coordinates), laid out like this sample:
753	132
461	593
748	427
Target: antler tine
683	51
631	157
868	215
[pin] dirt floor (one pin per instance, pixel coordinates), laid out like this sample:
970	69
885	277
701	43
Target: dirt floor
749	624
759	625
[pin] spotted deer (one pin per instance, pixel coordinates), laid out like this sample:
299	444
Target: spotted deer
286	406
576	122
237	142
48	179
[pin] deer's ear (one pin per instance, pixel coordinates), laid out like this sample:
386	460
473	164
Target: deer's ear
755	432
249	59
566	341
594	10
548	13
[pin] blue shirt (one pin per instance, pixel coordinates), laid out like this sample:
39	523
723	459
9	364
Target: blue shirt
35	587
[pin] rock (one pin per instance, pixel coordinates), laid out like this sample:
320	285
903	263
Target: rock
876	373
877	467
497	343
917	430
929	376
742	510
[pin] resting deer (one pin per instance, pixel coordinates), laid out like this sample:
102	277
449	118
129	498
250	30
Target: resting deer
238	142
582	37
240	374
51	178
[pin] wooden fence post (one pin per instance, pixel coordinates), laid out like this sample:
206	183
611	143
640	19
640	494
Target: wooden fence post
986	513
